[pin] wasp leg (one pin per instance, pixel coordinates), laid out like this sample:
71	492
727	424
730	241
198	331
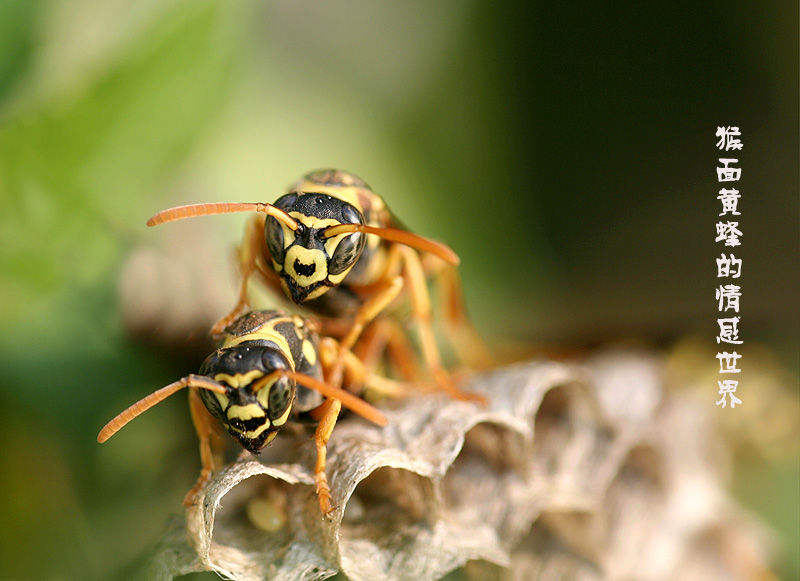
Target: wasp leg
385	337
330	356
248	254
366	313
373	343
469	347
330	413
358	373
401	354
421	304
210	443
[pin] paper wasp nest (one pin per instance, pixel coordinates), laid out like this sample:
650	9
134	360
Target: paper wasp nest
580	471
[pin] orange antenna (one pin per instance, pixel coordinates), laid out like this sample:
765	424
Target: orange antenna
194	210
158	396
400	236
350	401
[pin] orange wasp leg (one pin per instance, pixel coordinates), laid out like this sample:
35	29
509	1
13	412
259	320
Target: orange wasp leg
248	255
326	415
421	304
209	435
385	336
470	349
330	413
366	313
206	427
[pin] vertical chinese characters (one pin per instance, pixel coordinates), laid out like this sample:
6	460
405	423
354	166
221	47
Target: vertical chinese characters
728	232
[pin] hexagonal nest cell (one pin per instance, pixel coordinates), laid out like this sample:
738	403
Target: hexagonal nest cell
551	480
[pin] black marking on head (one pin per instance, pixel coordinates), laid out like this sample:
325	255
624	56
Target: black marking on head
304	269
248	425
299	294
254	445
243	358
322	206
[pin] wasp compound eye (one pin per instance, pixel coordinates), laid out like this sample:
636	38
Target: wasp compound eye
351	216
349	249
275	240
211	363
281	395
272	360
346	253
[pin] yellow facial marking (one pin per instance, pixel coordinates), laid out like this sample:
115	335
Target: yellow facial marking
320	224
222	399
240	379
312	221
288	234
307	257
332	242
338	278
253	434
317	292
246	412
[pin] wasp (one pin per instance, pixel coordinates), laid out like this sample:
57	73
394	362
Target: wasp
269	370
332	245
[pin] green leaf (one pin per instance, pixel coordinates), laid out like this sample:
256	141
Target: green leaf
75	169
17	26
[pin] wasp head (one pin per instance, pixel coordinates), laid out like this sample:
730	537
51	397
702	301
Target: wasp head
255	406
308	261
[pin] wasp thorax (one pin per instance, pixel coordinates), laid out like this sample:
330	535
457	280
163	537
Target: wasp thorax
336	178
308	261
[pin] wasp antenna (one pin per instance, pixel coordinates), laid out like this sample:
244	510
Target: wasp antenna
265	381
154	398
212	208
350	401
416	241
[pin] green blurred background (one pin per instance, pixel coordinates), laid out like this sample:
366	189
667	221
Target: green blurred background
565	150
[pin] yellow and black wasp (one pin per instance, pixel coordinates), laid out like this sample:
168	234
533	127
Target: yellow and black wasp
268	370
332	245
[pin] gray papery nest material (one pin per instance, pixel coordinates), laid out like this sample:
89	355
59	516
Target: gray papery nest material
574	471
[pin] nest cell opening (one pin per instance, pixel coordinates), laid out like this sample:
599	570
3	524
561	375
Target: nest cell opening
490	468
387	502
569	435
551	551
257	514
